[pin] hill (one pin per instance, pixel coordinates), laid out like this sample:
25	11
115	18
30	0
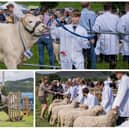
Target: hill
25	85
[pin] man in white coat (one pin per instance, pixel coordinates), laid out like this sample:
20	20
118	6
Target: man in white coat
107	44
107	96
123	27
121	103
89	100
71	45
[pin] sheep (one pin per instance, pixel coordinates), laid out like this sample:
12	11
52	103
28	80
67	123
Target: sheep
125	124
107	120
56	109
67	118
57	102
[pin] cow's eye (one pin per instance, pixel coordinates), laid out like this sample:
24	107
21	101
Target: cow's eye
30	21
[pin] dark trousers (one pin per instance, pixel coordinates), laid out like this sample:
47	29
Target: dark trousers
45	41
0	98
90	57
120	120
112	60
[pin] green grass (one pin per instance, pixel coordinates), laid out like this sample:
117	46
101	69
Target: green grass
26	122
39	122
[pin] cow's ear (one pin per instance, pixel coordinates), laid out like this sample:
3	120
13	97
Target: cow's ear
40	17
23	20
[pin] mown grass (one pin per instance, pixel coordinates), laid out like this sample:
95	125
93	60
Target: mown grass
26	122
34	60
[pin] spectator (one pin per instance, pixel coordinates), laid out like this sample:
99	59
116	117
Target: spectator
2	16
57	87
45	40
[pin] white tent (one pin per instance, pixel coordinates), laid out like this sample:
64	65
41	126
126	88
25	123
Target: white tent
16	6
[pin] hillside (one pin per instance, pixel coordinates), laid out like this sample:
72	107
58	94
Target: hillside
82	74
25	85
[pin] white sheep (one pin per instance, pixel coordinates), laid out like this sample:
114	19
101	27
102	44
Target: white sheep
107	120
125	124
67	118
56	109
57	102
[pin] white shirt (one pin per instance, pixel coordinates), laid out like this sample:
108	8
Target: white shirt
80	93
107	44
122	98
107	98
71	44
90	101
123	27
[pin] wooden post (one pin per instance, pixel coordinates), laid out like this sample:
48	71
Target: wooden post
26	108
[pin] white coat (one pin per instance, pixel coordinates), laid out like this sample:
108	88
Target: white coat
90	100
122	98
123	27
80	93
107	98
71	45
107	44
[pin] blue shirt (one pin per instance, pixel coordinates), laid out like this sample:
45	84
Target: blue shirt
87	15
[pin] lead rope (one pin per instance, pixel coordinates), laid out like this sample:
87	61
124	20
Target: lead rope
27	52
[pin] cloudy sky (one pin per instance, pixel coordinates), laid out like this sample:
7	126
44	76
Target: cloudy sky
16	75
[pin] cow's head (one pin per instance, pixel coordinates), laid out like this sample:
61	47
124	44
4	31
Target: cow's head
33	24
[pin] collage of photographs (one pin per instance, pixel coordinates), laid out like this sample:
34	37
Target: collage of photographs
64	64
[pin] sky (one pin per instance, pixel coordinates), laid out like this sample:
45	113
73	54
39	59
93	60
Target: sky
16	75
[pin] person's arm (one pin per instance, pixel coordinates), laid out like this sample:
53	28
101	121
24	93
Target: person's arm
121	26
123	88
93	102
96	27
85	42
105	98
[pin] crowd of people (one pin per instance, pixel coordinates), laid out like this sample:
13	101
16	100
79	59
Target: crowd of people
78	90
81	35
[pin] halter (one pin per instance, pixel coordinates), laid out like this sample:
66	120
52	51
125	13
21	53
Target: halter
35	26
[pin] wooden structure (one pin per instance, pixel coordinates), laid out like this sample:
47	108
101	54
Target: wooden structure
14	106
26	106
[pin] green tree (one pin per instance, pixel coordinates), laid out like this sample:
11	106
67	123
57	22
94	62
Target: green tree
50	5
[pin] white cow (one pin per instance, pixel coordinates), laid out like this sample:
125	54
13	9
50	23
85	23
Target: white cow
12	36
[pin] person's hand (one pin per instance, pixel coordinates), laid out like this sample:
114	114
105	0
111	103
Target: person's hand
92	41
115	109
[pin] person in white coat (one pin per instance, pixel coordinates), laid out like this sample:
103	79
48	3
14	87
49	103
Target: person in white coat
89	100
107	96
107	44
123	27
81	86
70	45
121	103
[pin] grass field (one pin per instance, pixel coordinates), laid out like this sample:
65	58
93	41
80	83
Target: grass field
26	122
34	60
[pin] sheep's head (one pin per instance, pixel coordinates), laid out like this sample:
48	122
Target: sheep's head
75	104
97	109
112	115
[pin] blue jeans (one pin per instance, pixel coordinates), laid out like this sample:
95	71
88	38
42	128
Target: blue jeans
45	41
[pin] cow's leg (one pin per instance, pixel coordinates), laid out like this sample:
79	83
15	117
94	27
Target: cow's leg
10	63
